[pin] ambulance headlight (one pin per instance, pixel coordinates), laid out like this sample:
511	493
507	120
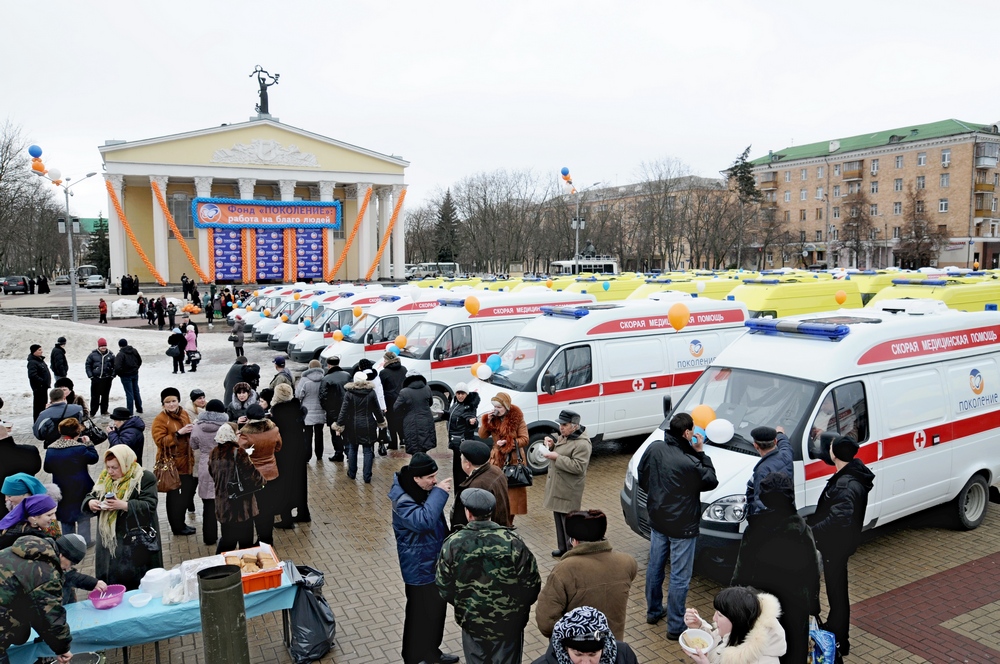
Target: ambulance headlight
629	480
731	509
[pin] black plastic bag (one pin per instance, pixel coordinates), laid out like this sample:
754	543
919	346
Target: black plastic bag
313	625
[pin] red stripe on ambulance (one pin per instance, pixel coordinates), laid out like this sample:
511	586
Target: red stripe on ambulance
524	309
419	306
932	344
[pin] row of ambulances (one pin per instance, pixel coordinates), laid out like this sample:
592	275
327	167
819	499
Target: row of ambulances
917	384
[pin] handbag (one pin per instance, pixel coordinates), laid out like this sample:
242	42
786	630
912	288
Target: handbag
383	442
174	351
237	488
518	474
233	337
96	434
167	477
822	644
144	536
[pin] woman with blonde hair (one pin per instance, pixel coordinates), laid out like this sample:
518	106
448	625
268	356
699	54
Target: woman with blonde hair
506	425
124	498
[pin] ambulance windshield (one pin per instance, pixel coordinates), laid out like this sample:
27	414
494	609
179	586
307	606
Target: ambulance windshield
750	399
420	338
520	361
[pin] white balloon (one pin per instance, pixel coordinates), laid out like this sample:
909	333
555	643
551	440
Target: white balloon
484	372
54	174
720	431
700	286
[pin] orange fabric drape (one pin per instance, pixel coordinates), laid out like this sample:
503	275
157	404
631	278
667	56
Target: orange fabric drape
177	232
131	236
291	264
249	237
388	233
332	274
211	254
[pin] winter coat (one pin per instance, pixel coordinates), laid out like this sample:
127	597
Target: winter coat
283	376
203	442
840	513
19	530
129	564
57	360
777	461
360	415
170	444
132	433
57	412
237	409
67	460
238	327
15	458
224	462
764	644
39	376
263	436
178	340
413	410
127	361
673	475
368	368
100	365
492	479
567	474
624	655
307	392
514	430
233	376
419	527
392	377
293	456
490	576
192	340
31	583
459	428
589	574
331	392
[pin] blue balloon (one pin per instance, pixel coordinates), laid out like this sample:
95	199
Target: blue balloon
564	171
393	348
35	151
307	323
315	304
239	303
606	285
493	362
346	330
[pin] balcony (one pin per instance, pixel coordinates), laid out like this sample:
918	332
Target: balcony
984	186
984	213
768	181
986	162
853	170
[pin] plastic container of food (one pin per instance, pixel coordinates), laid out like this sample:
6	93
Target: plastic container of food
696	641
155	582
107	599
258	580
139	600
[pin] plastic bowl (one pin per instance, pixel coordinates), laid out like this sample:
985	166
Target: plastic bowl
140	600
109	599
696	634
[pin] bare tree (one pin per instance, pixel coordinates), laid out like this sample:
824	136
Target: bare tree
858	233
421	226
659	211
920	241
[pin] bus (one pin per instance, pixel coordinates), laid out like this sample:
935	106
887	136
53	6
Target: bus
421	270
83	272
598	264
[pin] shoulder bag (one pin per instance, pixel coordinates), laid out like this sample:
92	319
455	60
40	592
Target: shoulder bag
518	474
143	536
237	488
174	351
167	477
94	432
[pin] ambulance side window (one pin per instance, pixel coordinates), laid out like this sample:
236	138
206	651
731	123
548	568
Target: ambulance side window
843	411
345	317
457	342
386	329
572	367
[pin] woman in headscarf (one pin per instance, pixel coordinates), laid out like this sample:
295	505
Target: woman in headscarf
261	438
131	504
583	636
506	425
68	459
236	515
172	436
32	516
19	486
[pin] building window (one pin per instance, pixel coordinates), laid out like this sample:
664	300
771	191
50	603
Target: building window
874	187
945	179
836	212
819	236
788	197
802	215
874	166
897	184
788	176
897	208
921	182
996	179
836	191
770	257
804	173
921	159
895	232
946	158
819	172
180	210
802	236
853	188
819	214
899	161
836	169
788	215
834	235
919	207
943	229
873	210
943	205
819	193
803	194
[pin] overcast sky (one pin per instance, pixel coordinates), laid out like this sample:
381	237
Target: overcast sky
458	88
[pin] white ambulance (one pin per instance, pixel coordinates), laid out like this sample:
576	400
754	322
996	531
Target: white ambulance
266	298
613	363
917	385
295	309
327	317
449	340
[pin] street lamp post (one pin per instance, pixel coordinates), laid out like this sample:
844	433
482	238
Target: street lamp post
576	225
69	235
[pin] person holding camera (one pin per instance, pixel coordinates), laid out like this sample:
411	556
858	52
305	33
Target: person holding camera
506	425
569	456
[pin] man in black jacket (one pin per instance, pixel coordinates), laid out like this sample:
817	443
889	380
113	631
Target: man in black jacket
392	377
673	472
331	395
40	379
16	458
60	367
776	457
127	364
836	525
101	372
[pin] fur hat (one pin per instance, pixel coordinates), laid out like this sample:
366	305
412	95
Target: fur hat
501	399
65	381
255	412
479	502
568	417
169	392
476	451
462	387
587	525
282	393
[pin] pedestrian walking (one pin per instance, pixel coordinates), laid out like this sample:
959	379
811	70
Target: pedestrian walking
288	414
392	376
776	457
127	363
569	457
506	425
102	310
57	359
228	463
237	334
746	629
413	409
193	356
203	443
836	524
307	392
418	502
262	435
100	368
177	341
128	430
481	474
331	395
172	435
582	636
590	573
462	425
67	460
358	421
490	576
673	472
39	378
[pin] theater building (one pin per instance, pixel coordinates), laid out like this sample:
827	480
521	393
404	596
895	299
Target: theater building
254	202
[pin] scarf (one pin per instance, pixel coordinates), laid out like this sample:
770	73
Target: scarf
20	484
126	486
583	624
30	506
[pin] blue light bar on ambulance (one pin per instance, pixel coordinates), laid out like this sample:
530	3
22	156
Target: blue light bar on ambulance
775	326
920	282
769	282
565	312
451	302
389	298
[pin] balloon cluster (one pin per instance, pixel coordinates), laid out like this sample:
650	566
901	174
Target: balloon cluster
39	167
717	429
483	370
397	345
567	180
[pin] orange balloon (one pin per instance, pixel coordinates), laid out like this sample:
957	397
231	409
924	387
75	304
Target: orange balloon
284	318
249	307
840	297
357	312
702	415
267	312
549	282
475	368
401	341
38	166
678	316
296	296
57	182
472	304
338	335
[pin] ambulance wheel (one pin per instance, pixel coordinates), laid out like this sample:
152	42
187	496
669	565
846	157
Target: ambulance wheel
439	404
971	503
538	464
319	351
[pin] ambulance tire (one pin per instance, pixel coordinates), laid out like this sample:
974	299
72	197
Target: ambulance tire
970	505
439	404
538	464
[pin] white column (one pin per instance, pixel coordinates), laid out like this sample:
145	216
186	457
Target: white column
203	189
246	188
326	195
287	189
398	239
384	212
161	232
116	232
365	232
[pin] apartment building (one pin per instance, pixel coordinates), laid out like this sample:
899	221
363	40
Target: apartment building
950	165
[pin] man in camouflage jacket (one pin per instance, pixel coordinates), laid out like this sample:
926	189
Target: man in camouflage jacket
31	581
490	576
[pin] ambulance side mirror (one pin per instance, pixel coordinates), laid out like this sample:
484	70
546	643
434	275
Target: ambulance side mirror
548	383
668	405
370	339
438	354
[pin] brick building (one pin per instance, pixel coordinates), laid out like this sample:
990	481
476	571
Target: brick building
950	165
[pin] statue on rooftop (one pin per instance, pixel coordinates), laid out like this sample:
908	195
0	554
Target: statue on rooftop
262	80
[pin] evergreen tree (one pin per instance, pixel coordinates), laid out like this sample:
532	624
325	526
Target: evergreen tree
447	231
99	248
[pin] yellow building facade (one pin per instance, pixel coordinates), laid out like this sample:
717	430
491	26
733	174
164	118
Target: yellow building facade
231	189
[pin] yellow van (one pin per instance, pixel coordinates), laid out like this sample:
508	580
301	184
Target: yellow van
492	284
558	283
715	289
617	289
789	296
870	282
955	293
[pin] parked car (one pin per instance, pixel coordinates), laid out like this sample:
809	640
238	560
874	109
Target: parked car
15	285
62	280
95	281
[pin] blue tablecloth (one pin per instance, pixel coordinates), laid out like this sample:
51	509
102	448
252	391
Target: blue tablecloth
125	625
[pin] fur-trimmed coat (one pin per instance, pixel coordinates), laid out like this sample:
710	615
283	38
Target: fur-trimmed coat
764	644
263	437
513	430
